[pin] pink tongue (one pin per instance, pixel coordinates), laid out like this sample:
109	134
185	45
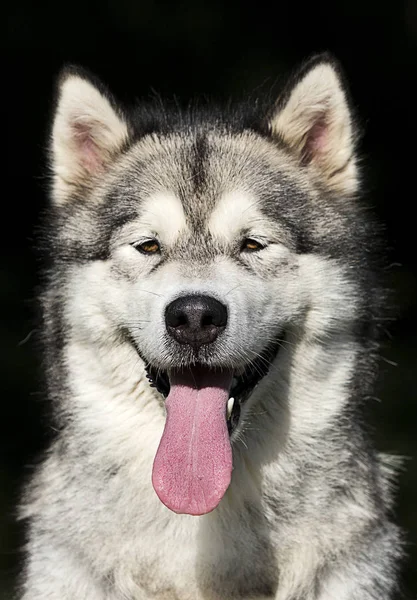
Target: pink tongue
193	464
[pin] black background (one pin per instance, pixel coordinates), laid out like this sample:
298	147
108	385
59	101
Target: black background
218	49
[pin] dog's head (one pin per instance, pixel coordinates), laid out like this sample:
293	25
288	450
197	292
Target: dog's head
202	240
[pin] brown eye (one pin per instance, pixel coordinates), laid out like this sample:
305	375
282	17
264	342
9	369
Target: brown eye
249	245
148	247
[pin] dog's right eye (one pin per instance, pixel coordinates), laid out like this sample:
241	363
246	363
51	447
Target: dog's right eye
251	245
148	247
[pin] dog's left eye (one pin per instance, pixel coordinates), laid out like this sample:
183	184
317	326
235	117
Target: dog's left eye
250	245
148	247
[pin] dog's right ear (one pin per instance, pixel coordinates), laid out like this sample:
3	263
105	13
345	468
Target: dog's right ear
88	131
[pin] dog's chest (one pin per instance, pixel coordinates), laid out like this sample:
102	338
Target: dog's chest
203	580
207	560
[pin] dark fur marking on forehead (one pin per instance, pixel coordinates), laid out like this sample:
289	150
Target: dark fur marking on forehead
197	194
199	247
199	163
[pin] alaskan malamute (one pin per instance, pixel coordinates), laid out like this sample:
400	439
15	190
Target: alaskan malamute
210	336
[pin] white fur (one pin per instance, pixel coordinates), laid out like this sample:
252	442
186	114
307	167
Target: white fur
163	214
232	213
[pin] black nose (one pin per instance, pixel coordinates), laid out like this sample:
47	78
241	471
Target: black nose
195	320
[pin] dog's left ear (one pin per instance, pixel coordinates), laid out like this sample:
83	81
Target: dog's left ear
313	119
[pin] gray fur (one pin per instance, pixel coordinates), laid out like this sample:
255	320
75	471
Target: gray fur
307	515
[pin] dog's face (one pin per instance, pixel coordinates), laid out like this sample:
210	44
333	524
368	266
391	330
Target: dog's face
217	243
202	244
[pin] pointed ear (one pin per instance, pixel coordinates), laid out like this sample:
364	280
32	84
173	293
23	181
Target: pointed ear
87	133
312	117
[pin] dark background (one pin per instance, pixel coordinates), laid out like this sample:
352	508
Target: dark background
219	49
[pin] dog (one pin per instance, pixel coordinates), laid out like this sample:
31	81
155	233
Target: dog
211	316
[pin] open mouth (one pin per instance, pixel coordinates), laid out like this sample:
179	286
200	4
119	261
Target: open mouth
194	461
241	388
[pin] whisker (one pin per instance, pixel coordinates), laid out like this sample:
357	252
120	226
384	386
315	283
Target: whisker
149	292
233	289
